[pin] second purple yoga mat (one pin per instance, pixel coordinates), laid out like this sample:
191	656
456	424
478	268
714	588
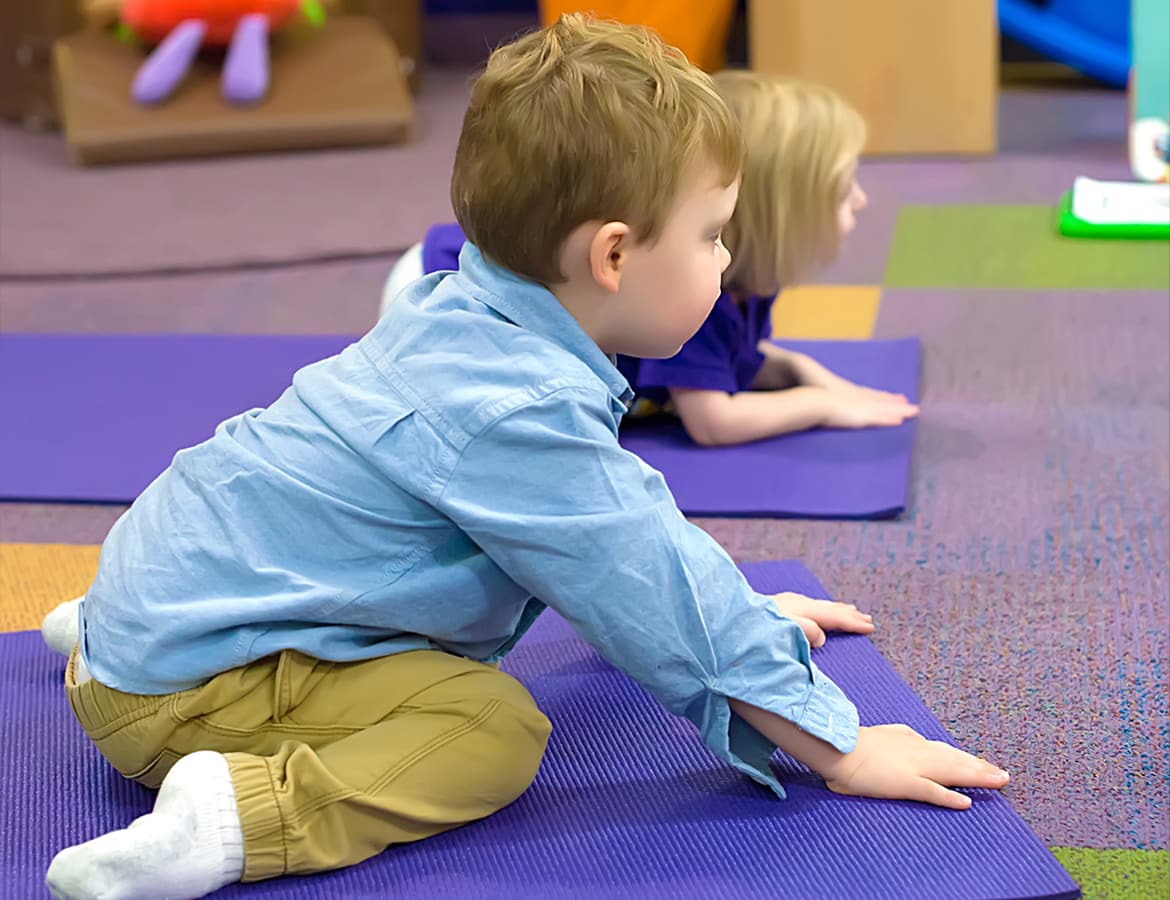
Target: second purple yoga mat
813	474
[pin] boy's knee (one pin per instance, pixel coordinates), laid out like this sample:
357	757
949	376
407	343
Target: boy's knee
524	733
519	734
519	712
534	723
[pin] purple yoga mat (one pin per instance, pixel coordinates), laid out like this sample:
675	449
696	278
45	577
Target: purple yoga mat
97	417
825	473
628	802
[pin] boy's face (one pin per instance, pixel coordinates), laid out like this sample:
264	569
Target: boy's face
668	288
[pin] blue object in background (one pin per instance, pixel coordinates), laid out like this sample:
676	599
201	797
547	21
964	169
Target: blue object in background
1149	91
1092	36
1151	59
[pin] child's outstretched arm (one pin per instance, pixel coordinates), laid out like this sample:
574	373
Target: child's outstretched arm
791	392
783	368
893	762
548	495
715	418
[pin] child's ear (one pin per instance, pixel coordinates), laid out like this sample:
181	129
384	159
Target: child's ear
608	252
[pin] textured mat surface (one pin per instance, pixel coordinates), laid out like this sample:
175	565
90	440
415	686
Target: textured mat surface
123	405
1015	247
628	803
144	397
812	474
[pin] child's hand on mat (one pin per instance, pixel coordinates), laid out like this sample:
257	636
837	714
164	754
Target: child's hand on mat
874	394
858	407
815	617
894	762
811	373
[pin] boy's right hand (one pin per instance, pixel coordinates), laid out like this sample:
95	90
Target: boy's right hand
895	762
815	617
858	407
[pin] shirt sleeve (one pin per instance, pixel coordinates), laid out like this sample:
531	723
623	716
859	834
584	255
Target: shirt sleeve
547	492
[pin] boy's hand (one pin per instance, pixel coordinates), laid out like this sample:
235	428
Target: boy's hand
859	407
894	762
815	617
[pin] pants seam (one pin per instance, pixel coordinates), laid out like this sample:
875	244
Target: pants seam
381	781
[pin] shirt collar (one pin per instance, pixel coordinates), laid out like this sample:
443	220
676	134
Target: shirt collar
534	308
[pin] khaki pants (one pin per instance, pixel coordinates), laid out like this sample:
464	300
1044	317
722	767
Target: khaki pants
333	762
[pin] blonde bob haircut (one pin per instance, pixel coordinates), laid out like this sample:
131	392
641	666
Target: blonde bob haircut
583	121
802	140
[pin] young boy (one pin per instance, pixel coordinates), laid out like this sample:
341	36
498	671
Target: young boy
293	628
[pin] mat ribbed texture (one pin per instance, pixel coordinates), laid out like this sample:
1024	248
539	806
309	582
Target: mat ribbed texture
628	802
133	401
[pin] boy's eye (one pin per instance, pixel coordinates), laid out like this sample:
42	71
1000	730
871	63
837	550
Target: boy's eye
716	237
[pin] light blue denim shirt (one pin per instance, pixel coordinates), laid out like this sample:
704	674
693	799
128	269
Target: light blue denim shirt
418	490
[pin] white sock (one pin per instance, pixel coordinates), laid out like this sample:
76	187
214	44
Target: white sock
188	847
60	629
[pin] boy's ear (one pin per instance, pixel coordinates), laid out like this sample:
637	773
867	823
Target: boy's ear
608	252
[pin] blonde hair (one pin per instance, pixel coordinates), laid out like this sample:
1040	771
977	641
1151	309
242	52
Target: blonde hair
801	142
581	121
